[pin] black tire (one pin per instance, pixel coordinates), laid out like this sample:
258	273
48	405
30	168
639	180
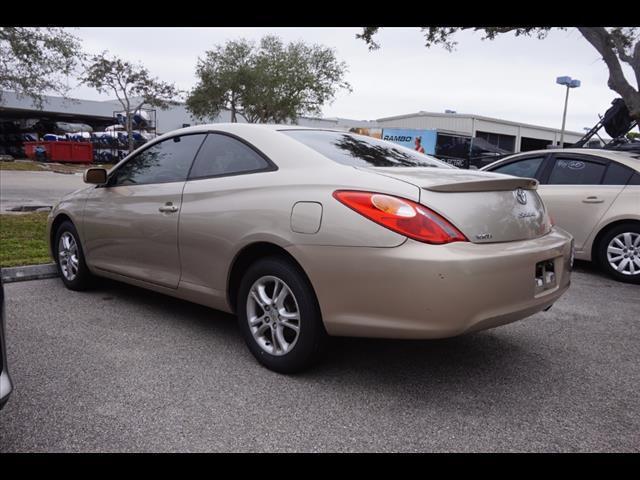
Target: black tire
311	337
634	252
83	278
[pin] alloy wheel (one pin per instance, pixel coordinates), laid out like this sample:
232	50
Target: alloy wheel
273	315
68	256
623	253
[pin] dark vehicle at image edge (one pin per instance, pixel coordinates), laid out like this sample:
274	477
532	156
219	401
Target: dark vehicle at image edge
5	380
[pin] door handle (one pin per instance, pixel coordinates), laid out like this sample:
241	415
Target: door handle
168	207
592	200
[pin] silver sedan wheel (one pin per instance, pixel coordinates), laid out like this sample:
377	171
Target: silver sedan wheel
273	315
623	253
68	256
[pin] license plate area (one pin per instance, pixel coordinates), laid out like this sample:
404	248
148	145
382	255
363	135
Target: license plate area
545	276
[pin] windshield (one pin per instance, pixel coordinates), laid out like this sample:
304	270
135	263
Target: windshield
362	151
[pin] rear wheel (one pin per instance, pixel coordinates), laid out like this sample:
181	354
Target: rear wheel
279	317
70	258
619	253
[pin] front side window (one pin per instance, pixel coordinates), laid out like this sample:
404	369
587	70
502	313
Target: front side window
522	168
361	151
224	155
166	161
571	171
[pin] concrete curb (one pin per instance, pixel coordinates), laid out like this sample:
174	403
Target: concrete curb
30	208
29	272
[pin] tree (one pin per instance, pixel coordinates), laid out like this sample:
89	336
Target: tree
268	82
615	45
224	75
34	61
132	85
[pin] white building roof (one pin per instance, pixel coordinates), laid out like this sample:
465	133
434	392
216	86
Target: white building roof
471	116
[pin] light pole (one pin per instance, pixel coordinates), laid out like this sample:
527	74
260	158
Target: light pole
570	83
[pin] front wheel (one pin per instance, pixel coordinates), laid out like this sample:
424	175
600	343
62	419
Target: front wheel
279	316
70	258
619	253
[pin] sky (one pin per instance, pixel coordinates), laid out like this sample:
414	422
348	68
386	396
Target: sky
508	78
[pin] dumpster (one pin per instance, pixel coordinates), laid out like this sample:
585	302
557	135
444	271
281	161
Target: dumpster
72	152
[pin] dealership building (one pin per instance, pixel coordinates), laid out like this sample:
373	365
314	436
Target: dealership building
506	135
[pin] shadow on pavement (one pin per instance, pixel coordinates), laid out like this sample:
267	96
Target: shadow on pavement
493	359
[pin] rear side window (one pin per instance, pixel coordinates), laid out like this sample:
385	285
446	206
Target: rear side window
522	168
617	174
568	171
362	151
224	155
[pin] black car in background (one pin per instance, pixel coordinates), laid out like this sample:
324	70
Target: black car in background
5	380
466	151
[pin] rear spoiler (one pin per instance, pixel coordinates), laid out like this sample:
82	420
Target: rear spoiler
489	185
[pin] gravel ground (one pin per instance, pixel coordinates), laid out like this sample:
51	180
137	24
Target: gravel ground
123	369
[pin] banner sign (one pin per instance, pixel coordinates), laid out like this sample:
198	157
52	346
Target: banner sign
369	132
413	139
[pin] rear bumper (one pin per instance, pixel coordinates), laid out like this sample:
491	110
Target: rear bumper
432	291
5	388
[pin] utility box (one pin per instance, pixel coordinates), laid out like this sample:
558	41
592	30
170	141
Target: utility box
71	152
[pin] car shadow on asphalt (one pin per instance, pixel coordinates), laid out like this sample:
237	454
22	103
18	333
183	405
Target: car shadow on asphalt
591	268
498	359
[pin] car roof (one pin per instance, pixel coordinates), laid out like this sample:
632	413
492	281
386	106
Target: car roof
239	127
630	159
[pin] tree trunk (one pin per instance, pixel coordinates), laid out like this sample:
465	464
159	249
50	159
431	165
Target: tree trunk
633	104
233	109
601	40
130	129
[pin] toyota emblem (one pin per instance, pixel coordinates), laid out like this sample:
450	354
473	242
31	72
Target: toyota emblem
521	196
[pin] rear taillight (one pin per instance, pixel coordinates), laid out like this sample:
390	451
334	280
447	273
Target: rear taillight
402	216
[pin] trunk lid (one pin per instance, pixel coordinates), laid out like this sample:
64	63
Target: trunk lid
487	207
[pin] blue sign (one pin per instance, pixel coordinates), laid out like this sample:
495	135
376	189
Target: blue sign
413	139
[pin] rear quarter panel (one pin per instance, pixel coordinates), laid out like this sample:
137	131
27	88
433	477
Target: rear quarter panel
626	207
221	216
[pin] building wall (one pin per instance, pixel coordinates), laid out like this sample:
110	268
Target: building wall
177	116
67	106
470	124
455	124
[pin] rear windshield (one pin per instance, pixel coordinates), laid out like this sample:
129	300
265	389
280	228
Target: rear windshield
362	151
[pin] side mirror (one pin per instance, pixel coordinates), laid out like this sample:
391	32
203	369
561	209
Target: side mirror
97	176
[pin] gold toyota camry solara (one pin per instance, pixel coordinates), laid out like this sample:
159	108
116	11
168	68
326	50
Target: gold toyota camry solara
307	233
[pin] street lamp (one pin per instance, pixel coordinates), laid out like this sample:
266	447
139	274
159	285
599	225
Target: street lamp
570	83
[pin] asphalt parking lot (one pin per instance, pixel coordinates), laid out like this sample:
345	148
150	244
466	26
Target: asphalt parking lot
123	369
20	188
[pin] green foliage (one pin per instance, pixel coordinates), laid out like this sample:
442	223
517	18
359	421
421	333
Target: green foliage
268	82
615	45
225	76
23	239
444	36
22	166
132	84
37	60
